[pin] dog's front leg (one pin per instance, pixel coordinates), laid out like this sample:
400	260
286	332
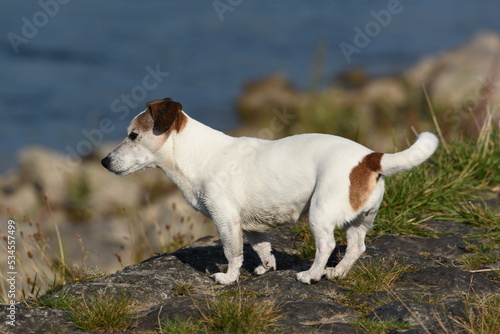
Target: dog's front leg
231	237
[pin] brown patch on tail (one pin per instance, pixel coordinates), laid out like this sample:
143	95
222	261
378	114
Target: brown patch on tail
363	179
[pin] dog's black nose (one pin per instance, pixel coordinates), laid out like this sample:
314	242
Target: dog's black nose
105	162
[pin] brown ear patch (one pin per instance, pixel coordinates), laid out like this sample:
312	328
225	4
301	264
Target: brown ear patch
167	116
363	179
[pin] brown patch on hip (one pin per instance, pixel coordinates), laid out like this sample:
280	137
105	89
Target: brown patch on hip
363	179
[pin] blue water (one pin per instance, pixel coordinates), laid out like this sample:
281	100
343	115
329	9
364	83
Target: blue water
82	56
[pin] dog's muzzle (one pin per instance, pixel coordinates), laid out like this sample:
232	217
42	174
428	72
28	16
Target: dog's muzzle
106	162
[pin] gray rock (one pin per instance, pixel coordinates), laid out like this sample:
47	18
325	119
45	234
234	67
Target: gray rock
173	286
444	281
433	318
36	320
47	171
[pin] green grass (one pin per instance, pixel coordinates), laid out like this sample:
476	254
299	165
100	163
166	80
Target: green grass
183	290
61	302
180	326
483	217
239	312
103	313
443	188
374	275
100	313
477	260
379	326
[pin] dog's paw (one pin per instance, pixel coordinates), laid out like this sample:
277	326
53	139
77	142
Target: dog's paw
224	279
307	276
332	273
304	277
262	269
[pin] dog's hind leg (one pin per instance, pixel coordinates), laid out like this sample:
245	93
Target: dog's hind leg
325	244
262	246
355	234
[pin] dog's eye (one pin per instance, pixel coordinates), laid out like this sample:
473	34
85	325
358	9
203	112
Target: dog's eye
132	136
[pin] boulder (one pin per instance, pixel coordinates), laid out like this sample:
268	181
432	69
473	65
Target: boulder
47	171
23	201
260	97
110	193
457	77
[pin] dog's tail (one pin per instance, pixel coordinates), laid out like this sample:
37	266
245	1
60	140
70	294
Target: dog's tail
421	150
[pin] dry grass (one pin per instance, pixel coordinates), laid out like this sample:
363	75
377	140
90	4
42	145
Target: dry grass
482	314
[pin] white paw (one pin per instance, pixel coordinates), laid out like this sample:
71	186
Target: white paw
262	270
308	276
269	265
332	273
224	279
304	277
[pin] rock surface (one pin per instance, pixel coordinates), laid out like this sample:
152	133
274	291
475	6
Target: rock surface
172	286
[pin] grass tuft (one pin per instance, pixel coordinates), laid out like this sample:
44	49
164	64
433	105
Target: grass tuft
183	290
180	326
374	275
239	312
477	260
482	314
61	301
102	313
379	326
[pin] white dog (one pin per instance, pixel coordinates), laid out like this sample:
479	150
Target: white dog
251	185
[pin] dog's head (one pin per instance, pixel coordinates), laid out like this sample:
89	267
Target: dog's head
147	134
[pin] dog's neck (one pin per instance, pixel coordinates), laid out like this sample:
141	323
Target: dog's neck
186	153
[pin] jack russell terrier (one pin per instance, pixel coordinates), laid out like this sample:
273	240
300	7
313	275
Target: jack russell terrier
250	185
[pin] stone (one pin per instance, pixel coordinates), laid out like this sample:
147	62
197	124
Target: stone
47	171
24	200
443	281
30	320
110	193
455	77
429	317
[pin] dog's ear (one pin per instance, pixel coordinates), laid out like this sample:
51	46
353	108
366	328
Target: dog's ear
164	113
